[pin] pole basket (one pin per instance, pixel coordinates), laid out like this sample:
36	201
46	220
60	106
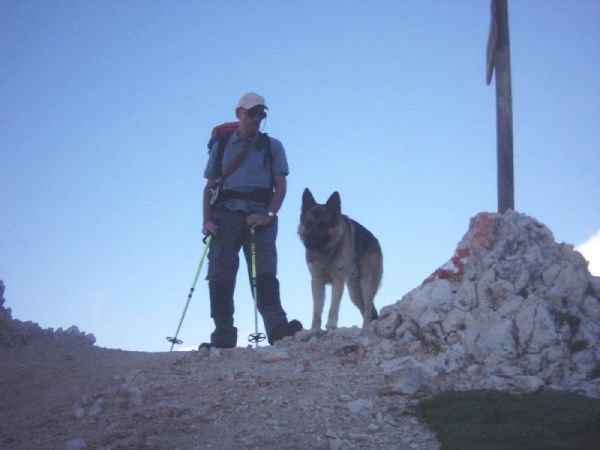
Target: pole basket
255	338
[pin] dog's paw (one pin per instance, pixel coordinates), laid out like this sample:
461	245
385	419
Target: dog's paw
316	332
305	335
370	325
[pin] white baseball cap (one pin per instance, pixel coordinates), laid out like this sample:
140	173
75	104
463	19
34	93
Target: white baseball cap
250	100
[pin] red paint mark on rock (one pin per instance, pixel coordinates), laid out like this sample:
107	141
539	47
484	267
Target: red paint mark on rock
455	266
480	234
483	227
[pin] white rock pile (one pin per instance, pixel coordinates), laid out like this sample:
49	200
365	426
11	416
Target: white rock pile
511	310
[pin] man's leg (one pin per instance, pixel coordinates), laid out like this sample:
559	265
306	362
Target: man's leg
267	285
221	311
223	263
269	302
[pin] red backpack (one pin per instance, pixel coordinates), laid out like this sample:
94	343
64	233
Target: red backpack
220	131
221	134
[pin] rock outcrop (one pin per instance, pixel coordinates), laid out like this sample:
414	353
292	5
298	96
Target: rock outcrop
14	333
511	309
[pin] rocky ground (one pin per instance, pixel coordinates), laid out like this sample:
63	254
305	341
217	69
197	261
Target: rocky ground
61	392
511	310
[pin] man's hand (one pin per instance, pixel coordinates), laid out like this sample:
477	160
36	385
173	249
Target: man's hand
209	228
258	220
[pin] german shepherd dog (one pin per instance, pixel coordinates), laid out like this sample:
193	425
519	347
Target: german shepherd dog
339	251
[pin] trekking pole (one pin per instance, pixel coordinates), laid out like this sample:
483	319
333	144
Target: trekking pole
174	340
255	337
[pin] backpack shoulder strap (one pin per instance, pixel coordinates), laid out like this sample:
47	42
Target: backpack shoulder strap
265	143
223	140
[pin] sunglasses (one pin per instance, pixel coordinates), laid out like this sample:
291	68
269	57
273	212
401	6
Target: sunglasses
260	112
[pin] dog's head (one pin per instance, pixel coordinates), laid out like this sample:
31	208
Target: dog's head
319	227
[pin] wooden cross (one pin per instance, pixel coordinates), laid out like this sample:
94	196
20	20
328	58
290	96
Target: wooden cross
498	58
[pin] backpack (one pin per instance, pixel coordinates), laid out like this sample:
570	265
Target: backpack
222	133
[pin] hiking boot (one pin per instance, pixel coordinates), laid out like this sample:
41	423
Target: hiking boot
209	345
221	338
285	329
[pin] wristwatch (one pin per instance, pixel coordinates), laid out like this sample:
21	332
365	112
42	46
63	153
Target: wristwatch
271	214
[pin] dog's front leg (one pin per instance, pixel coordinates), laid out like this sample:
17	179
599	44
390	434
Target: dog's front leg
337	290
318	294
368	314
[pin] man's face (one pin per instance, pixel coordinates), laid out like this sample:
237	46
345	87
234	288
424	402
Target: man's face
250	120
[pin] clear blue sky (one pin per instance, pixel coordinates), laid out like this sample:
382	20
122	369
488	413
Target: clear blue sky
106	107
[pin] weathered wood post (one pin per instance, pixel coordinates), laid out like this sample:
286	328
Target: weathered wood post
498	58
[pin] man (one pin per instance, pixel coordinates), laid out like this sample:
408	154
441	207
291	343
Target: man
249	197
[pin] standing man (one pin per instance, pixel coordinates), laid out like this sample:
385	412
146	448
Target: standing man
250	174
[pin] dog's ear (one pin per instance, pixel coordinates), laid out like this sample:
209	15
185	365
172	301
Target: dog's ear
308	201
334	203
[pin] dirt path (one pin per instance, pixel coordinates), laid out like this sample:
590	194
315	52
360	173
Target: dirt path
323	394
